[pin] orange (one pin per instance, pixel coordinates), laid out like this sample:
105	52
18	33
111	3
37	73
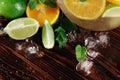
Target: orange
114	1
87	10
43	12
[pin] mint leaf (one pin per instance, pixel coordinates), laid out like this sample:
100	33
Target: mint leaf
32	3
61	36
83	0
68	25
80	53
50	3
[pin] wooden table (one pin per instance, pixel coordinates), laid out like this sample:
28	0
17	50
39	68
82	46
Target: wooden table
56	63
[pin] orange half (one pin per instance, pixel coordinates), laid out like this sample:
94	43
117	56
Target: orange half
88	10
42	13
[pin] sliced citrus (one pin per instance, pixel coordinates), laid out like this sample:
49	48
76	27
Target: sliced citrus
114	1
88	10
43	12
48	35
22	28
112	12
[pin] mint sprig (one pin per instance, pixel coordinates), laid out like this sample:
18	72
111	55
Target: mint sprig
61	37
83	0
81	53
32	3
51	3
67	24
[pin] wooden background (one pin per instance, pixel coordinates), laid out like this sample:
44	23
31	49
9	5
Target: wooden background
57	64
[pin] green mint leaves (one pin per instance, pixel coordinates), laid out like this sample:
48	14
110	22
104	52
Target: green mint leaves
51	3
65	25
68	25
83	0
80	53
32	3
61	37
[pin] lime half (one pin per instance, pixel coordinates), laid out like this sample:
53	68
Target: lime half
112	12
22	28
48	35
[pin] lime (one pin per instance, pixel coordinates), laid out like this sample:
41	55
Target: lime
48	35
12	8
112	12
114	1
22	28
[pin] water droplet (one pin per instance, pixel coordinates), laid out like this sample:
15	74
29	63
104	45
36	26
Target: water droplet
31	49
92	54
33	71
16	71
11	72
104	39
2	33
118	76
16	61
91	42
72	36
28	47
85	66
40	54
19	47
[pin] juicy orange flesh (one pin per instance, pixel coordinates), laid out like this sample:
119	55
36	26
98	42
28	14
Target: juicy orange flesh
42	13
86	9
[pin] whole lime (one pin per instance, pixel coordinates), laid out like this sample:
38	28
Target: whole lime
12	8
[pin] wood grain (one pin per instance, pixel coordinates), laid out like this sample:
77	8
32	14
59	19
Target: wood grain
57	64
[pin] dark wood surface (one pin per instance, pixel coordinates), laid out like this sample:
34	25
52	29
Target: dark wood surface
56	63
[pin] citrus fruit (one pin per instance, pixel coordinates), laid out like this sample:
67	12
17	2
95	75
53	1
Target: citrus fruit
22	28
114	1
12	8
112	12
48	35
90	23
87	10
43	12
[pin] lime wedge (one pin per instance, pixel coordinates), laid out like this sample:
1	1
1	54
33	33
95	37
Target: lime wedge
22	28
48	35
112	12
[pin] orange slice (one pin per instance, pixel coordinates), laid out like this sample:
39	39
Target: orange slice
114	1
86	19
87	10
42	13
